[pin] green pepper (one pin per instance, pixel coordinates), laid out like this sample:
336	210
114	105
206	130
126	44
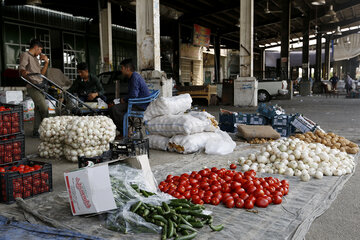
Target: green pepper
217	228
135	207
160	218
170	232
166	208
187	237
197	224
164	232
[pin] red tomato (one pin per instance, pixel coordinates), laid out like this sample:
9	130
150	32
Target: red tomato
2	169
239	190
177	194
239	203
195	198
194	191
244	196
268	198
197	176
218	195
203	173
201	193
13	168
257	182
262	202
209	193
235	195
227	178
249	204
252	198
187	195
215	201
184	175
278	193
214	169
285	182
193	181
188	187
181	189
251	189
234	185
205	186
169	177
214	188
286	191
259	193
233	166
230	203
277	200
237	177
225	188
207	199
271	189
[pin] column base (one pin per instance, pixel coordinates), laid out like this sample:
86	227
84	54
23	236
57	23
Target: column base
317	88
305	88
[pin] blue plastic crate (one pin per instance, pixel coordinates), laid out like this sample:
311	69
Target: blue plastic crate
284	131
227	119
242	118
227	127
256	119
281	120
269	111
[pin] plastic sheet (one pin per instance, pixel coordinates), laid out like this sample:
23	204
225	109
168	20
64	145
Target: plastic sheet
290	220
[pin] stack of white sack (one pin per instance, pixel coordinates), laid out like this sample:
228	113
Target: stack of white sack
172	128
75	136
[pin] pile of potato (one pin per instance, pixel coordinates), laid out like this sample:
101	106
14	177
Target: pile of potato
260	140
329	139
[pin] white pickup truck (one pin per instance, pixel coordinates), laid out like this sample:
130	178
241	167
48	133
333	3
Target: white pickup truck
268	88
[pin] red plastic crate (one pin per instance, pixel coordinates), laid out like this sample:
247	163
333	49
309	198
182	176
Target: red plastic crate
12	149
11	119
25	185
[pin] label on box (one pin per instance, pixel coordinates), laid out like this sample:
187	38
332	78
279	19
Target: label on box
11	97
51	106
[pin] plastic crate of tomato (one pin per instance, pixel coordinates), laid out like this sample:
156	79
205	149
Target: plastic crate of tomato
11	119
12	149
24	179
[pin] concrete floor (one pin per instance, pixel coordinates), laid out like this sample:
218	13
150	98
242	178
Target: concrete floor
338	115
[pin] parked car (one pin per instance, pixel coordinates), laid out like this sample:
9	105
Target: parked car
268	88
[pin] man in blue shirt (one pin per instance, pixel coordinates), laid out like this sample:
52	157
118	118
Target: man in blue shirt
137	89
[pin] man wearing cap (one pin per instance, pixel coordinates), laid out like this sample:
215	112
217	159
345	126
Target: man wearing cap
30	63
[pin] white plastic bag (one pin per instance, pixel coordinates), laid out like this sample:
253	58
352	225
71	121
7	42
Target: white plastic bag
171	125
168	106
158	142
190	143
102	104
206	117
220	144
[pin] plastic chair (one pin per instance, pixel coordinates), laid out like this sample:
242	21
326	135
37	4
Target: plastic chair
138	114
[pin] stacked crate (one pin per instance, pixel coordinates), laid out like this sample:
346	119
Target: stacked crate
282	124
12	139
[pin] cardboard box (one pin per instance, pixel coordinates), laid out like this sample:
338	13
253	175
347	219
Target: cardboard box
90	189
11	97
28	105
29	116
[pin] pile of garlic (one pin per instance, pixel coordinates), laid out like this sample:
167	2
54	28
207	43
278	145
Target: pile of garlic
294	157
74	136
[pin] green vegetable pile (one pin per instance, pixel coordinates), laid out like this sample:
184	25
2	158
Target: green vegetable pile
178	219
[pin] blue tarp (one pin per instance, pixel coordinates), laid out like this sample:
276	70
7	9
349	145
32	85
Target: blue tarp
22	230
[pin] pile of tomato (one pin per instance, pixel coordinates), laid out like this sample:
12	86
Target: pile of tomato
9	122
10	151
234	189
24	186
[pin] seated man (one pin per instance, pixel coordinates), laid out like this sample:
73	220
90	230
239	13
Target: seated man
137	89
87	86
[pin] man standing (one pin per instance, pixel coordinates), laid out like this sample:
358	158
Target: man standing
137	89
87	86
29	63
334	80
348	84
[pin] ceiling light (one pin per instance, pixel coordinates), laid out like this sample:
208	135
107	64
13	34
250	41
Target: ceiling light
334	19
338	31
331	12
316	30
33	2
318	2
133	3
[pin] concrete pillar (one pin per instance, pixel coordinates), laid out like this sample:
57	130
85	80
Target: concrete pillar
305	86
148	34
326	74
217	58
263	63
2	57
285	40
105	31
246	86
246	38
176	50
317	88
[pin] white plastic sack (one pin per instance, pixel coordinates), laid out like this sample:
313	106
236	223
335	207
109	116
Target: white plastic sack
168	106
206	117
190	143
220	144
158	142
50	150
172	125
